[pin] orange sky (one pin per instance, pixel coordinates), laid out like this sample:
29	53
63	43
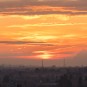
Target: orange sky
45	35
57	35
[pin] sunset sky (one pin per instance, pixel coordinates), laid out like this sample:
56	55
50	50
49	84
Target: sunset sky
43	29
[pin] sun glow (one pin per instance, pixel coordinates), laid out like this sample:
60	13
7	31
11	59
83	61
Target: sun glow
45	55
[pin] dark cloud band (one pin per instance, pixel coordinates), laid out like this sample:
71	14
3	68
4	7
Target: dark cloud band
25	42
25	7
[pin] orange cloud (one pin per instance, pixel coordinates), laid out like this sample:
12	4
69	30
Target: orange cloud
57	36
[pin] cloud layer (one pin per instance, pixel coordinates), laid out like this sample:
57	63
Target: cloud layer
40	7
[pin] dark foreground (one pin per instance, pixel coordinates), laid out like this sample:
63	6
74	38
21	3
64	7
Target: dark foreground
43	77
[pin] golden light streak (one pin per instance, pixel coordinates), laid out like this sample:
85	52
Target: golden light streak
44	55
38	37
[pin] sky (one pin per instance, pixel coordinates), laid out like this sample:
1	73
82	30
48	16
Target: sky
43	29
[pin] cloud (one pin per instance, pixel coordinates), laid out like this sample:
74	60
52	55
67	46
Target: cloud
79	59
46	24
67	52
40	7
20	42
26	42
82	55
7	0
17	42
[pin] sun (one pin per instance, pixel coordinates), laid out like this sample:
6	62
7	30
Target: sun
45	55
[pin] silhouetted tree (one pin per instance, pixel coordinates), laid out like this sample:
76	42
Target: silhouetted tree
0	85
19	85
80	82
64	81
6	79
